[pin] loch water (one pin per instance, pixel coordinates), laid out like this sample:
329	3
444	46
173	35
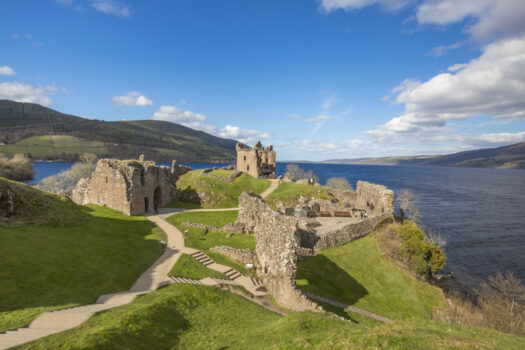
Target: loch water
480	212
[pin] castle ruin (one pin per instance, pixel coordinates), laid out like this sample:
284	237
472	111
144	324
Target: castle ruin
133	187
258	161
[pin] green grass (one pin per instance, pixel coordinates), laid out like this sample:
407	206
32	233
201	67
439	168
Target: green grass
208	192
197	239
358	275
188	267
48	267
222	173
40	146
201	317
288	193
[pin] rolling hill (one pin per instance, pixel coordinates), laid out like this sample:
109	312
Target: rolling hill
510	157
44	133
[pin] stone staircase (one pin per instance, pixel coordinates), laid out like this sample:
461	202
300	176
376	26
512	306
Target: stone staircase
185	280
202	258
256	282
232	274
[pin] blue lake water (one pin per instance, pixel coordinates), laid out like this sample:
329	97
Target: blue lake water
481	212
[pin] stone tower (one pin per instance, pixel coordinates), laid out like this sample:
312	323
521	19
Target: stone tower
258	161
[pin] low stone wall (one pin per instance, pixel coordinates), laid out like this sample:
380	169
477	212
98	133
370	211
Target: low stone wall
230	179
240	256
379	195
347	233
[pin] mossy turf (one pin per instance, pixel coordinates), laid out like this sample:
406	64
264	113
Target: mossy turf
208	192
52	266
358	275
197	238
188	267
288	193
202	317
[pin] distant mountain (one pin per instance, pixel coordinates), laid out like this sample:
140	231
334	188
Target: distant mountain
44	133
510	157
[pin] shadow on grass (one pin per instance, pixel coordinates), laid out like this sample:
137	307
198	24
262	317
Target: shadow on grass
319	275
187	198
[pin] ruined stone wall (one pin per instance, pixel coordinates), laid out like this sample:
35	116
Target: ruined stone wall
277	238
258	161
131	187
240	256
347	233
382	197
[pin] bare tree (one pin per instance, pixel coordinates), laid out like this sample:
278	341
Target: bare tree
436	237
407	202
298	173
67	180
338	183
18	168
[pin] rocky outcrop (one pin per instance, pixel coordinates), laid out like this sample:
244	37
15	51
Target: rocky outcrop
9	201
240	256
277	238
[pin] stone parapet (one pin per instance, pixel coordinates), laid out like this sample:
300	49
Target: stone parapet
379	195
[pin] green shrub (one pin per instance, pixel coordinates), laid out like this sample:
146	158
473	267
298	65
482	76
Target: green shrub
426	258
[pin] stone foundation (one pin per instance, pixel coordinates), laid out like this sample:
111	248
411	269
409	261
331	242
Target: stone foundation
240	256
379	195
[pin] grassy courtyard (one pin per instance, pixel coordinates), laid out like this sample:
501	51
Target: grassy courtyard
288	193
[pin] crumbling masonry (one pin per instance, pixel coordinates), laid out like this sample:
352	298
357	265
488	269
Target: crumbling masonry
258	161
132	187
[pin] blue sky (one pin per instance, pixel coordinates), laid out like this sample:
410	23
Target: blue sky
318	79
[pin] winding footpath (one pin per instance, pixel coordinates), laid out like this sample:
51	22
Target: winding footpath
153	278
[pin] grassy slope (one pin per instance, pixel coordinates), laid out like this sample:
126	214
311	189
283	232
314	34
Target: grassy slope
215	193
288	193
40	146
357	274
200	317
188	267
195	237
91	251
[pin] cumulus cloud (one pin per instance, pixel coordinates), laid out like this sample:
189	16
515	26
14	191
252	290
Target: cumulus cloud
493	85
174	114
6	70
492	139
348	5
489	17
132	99
243	135
27	93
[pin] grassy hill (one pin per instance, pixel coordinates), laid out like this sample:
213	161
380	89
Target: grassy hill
61	254
48	134
510	157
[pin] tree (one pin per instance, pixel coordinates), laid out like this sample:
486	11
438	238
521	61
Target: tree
68	179
298	173
18	168
407	202
338	183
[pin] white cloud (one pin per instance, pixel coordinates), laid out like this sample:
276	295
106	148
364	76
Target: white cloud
28	36
489	17
132	99
348	5
112	8
174	114
442	50
27	93
318	119
14	36
6	70
243	135
493	139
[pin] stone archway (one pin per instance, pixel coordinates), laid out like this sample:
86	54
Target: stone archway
157	197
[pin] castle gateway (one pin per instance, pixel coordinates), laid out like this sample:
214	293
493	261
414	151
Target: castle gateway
258	161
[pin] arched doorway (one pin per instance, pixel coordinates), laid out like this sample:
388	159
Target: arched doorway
157	197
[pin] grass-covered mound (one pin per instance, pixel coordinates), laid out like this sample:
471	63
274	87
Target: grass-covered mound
358	275
197	238
289	193
201	317
188	267
201	191
22	204
81	253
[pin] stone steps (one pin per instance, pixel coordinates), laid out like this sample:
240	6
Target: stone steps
223	281
184	280
232	274
256	282
202	258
